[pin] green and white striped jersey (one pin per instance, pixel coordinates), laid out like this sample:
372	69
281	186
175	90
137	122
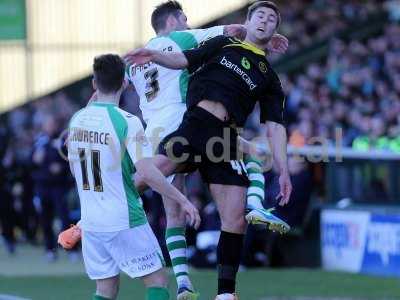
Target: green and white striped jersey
104	143
157	86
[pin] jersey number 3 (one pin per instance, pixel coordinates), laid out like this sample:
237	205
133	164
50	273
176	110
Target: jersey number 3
98	183
152	86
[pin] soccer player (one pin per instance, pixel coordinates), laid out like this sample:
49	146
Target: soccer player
106	147
228	78
162	93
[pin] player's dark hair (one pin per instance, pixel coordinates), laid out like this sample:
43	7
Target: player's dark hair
269	4
162	12
108	71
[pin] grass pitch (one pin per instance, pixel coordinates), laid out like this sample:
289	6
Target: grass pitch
28	276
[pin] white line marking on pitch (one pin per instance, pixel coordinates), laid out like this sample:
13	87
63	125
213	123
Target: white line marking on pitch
11	297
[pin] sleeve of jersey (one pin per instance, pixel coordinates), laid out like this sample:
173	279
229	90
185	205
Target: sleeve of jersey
128	73
272	105
137	144
198	56
202	35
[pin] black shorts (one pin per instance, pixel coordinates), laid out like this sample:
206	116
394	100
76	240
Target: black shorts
208	144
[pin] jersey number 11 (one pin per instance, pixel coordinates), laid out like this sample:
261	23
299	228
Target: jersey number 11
98	183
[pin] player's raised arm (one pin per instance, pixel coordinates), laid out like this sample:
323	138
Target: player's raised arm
276	134
191	59
235	30
272	114
140	151
157	181
172	60
232	30
278	43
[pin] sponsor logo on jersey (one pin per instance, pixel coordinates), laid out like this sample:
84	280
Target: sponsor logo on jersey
246	78
246	63
135	69
263	67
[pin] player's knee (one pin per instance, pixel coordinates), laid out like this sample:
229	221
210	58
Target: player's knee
234	224
156	279
176	220
108	288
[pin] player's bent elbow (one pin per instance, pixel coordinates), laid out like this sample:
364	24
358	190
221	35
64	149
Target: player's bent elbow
143	167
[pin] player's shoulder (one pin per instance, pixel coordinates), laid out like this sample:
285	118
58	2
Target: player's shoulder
130	119
157	42
185	38
248	48
76	115
217	41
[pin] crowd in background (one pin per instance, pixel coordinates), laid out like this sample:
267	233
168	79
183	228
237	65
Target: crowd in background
355	88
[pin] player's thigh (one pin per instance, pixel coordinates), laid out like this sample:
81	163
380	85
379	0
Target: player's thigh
230	200
163	163
99	263
137	252
178	145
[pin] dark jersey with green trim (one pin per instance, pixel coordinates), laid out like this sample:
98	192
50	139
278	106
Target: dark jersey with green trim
237	75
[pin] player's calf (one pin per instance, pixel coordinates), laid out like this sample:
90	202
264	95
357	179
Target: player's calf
156	285
176	244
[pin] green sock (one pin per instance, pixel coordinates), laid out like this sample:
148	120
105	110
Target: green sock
176	245
157	293
97	297
255	192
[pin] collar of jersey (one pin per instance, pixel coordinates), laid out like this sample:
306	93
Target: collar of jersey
99	103
249	47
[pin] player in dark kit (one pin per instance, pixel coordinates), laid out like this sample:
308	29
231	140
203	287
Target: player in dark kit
228	78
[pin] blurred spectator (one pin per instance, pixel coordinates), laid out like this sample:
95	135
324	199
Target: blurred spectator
51	182
7	213
357	89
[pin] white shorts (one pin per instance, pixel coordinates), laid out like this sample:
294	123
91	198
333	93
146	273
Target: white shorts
134	251
162	123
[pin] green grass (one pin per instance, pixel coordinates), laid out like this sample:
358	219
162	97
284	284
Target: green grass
253	285
26	275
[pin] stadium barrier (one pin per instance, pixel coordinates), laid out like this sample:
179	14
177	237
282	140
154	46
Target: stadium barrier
361	239
360	229
363	176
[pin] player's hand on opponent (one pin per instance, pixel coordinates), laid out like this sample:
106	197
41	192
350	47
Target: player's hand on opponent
138	56
285	186
192	214
235	30
278	44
